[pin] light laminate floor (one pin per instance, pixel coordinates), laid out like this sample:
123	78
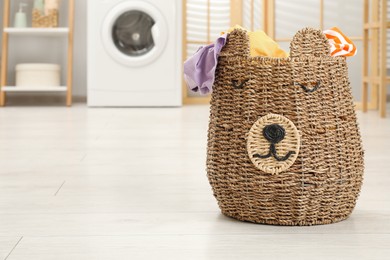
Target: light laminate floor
79	183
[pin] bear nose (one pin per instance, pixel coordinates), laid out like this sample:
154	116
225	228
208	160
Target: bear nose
273	133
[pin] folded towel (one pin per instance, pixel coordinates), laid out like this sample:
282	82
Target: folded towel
50	5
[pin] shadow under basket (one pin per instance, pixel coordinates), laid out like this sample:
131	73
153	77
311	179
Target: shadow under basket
40	20
284	147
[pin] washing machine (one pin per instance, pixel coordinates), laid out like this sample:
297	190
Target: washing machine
134	53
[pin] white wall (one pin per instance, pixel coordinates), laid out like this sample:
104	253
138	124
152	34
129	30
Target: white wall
52	49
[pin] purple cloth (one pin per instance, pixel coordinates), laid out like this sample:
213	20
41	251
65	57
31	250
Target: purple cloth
199	69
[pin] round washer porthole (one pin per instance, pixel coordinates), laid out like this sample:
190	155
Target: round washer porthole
134	33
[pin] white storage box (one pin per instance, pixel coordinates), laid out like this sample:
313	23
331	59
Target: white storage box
38	74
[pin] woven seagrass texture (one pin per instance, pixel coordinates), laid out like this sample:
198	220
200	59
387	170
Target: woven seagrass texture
257	144
324	181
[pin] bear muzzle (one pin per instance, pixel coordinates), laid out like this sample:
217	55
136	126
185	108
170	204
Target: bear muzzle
273	143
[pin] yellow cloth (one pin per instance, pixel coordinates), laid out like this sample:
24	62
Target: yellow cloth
262	45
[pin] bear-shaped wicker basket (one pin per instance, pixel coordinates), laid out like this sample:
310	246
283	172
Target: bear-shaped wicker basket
284	146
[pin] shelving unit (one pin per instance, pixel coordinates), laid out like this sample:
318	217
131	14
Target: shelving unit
35	89
375	50
37	32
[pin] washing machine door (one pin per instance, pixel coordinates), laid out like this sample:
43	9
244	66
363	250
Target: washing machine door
134	33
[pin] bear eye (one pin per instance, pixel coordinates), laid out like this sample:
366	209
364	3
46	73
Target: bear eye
307	89
237	85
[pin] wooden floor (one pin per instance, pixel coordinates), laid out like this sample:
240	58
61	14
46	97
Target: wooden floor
80	183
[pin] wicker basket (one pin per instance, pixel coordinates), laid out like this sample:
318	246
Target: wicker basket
284	146
40	20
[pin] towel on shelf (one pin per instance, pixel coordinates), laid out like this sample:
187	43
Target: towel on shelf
51	5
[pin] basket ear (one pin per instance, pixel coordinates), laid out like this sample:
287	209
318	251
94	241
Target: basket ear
237	44
309	42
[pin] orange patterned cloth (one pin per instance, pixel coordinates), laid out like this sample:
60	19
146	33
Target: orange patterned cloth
340	44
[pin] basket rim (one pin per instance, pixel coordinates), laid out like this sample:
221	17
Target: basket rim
276	60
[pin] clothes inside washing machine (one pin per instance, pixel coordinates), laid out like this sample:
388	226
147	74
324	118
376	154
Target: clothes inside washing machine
132	33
